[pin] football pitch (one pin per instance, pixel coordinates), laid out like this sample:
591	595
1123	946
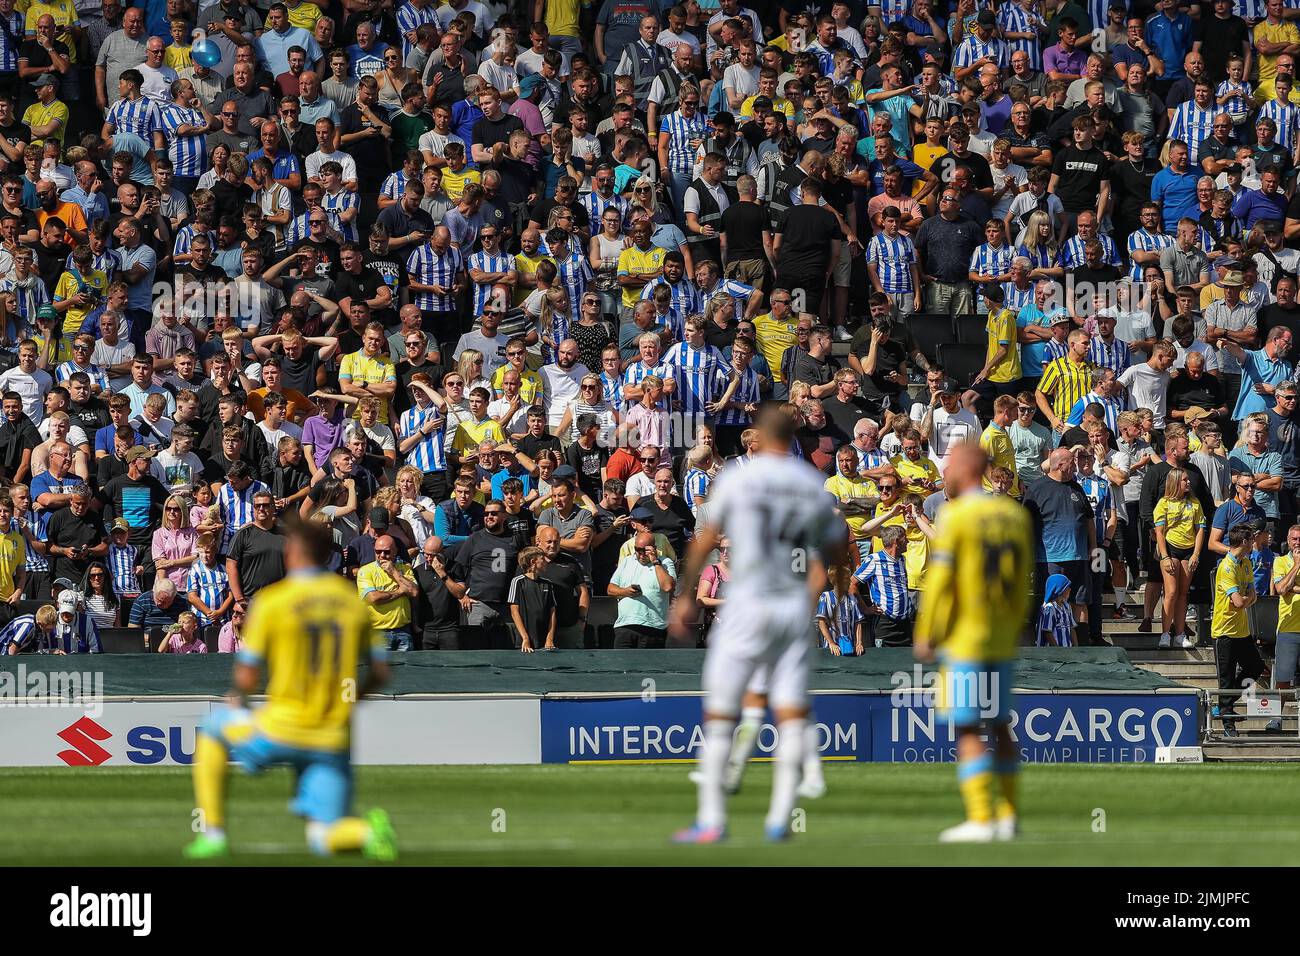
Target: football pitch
873	814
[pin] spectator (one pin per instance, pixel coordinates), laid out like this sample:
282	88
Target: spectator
387	586
643	583
1180	539
158	607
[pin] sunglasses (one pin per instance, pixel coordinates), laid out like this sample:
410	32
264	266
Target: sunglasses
648	461
515	353
383	550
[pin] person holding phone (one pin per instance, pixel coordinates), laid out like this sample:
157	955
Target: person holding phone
643	583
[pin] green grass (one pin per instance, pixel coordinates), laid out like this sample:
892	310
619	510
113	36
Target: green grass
874	814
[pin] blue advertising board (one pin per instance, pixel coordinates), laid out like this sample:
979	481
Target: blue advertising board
1051	728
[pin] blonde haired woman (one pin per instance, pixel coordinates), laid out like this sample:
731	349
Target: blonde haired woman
1039	247
470	367
173	542
553	324
1180	538
416	510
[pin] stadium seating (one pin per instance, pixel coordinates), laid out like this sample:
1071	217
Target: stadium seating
931	331
122	640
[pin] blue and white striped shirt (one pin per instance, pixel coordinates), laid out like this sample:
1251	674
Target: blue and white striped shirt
1194	125
1144	241
891	10
185	236
842	615
427	267
1012	18
394	185
870	460
972	49
339	202
746	393
10	42
36	522
638	370
69	368
680	132
121	560
613	389
1114	355
737	290
1017	299
209	585
1113	407
575	273
1287	118
886	578
1072	253
410	18
1040	258
695	487
557	333
1054	350
138	117
79	637
1238	108
485	262
686	295
1098	490
1057	620
236	509
188	153
596	204
107	262
893	259
30	294
701	375
428	454
990	260
23	632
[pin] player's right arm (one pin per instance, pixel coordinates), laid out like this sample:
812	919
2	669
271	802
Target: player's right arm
938	610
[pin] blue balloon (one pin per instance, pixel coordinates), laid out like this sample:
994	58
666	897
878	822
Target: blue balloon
205	53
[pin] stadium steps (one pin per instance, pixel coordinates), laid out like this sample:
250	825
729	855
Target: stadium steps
1269	748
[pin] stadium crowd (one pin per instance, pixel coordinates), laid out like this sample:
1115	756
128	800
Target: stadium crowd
496	291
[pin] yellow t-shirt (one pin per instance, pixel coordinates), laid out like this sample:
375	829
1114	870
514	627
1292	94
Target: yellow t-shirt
779	105
1288	605
562	17
453	184
312	631
64	13
632	260
923	155
67	287
1001	328
997	443
852	489
13	555
360	369
979	579
1284	32
774	337
304	15
1180	519
470	434
178	57
1230	577
911	471
38	114
530	385
391	615
526	265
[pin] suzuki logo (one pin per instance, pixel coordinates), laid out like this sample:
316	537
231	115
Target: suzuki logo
82	736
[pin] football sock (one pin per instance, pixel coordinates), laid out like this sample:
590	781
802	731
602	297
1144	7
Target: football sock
788	770
210	758
713	765
1006	771
975	781
812	756
349	833
746	739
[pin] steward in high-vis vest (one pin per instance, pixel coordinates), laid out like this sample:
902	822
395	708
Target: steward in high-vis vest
643	61
737	152
706	200
785	193
665	91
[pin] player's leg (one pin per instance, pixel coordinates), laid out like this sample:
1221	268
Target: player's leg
225	729
325	797
753	712
960	686
726	675
789	700
1006	754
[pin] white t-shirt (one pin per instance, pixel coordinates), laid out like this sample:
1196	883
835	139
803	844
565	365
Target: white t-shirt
502	77
493	349
671	41
740	80
1014	174
32	387
176	473
1147	388
960	426
514	426
319	158
287	429
76	436
561	388
435	142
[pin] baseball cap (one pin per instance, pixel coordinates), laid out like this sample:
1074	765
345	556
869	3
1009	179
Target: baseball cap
45	79
139	451
68	602
119	524
1232	278
641	513
47	312
564	472
528	84
379	519
1195	414
1059	318
762	103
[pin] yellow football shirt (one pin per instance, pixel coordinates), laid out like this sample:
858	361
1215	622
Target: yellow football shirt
453	184
530	385
774	337
391	615
526	265
632	260
312	631
855	489
304	15
360	369
779	105
924	155
1066	381
178	57
979	579
1001	328
39	114
470	434
997	443
67	287
1180	519
13	555
64	13
1230	577
1288	605
1284	32
922	469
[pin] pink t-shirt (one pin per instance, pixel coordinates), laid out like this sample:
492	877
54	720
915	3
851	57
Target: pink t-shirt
176	645
228	642
170	545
